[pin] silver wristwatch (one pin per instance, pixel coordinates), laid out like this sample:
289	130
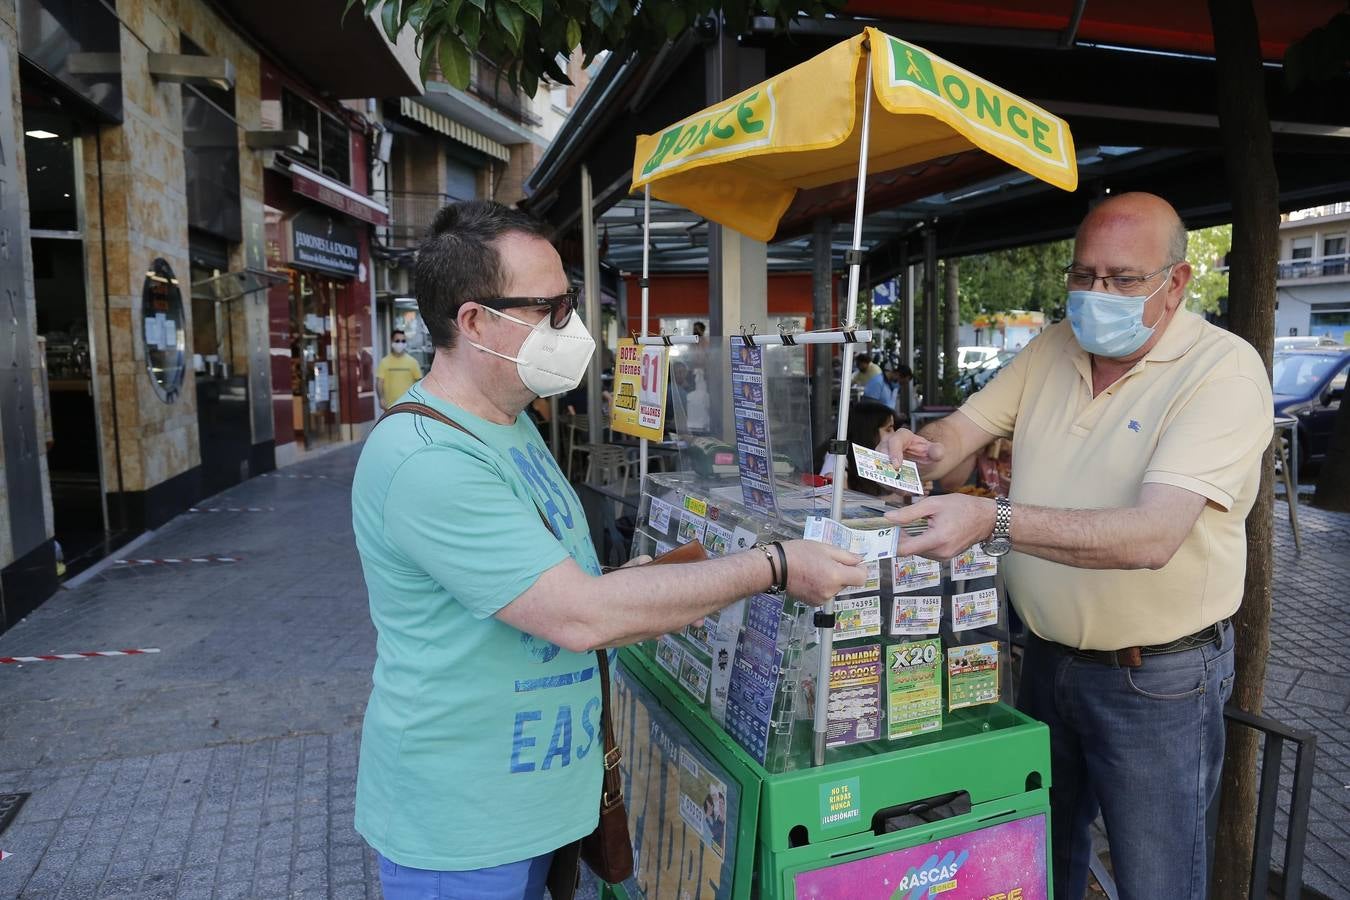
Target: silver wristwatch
1000	542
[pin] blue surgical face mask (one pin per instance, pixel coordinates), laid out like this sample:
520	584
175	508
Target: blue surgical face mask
1110	325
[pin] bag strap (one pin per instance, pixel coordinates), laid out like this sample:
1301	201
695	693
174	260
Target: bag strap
612	789
612	792
422	409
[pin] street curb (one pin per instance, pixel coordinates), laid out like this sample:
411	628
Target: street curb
87	574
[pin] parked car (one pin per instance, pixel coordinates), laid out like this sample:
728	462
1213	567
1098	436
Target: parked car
1308	385
1304	342
972	380
974	357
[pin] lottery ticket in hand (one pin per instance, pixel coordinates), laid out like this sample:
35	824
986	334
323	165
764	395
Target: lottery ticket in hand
878	467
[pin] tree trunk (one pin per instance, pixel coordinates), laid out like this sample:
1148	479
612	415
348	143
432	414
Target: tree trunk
1333	484
1249	162
951	328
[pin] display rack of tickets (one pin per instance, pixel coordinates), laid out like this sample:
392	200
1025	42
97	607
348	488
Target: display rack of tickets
920	651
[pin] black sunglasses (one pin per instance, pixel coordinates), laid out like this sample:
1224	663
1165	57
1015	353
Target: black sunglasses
560	308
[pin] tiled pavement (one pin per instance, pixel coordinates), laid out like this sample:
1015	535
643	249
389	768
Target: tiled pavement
1308	681
224	766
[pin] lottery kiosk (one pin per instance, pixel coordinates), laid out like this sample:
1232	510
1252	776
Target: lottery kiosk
866	749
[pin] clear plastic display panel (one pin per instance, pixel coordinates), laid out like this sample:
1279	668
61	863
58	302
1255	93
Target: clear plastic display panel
920	653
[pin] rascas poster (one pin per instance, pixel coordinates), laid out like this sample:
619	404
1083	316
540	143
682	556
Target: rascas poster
1004	861
639	405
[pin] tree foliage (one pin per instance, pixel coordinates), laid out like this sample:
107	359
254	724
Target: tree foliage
525	38
1029	277
1208	256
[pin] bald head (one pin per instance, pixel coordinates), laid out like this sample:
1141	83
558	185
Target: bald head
1148	216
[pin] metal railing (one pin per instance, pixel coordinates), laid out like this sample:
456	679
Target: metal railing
1276	735
411	214
489	84
1326	267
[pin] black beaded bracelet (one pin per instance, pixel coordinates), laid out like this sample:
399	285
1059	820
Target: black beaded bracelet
782	560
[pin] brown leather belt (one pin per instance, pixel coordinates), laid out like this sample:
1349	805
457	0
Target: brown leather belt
1133	657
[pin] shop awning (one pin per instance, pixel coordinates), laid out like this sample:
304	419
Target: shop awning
419	112
1154	24
234	285
337	195
742	162
347	57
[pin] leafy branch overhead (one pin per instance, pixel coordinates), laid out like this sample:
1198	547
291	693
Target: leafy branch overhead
526	38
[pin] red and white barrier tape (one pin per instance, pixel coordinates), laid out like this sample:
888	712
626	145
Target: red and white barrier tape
87	654
169	561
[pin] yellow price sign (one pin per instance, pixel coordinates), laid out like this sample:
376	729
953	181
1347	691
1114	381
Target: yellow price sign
639	404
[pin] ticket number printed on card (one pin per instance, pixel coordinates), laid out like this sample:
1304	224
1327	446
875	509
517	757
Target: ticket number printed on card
878	467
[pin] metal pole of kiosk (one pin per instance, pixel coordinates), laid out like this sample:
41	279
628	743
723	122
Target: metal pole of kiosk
646	245
841	433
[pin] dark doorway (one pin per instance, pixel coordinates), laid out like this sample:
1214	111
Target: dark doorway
71	429
220	360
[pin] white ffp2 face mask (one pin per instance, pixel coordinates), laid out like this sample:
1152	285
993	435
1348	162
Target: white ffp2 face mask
550	361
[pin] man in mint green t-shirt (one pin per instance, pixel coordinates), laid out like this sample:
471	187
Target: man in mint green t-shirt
481	750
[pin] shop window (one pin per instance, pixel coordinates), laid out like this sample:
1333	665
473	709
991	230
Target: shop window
336	153
329	140
211	157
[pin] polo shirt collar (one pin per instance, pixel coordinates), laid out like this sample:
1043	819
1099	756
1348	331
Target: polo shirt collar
1181	335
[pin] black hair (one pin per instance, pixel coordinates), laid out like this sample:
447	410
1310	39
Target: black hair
458	262
865	421
397	331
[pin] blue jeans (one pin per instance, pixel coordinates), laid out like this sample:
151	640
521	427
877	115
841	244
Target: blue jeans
1145	746
522	880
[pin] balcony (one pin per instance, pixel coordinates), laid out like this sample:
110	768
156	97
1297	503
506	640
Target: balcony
411	215
1326	267
488	83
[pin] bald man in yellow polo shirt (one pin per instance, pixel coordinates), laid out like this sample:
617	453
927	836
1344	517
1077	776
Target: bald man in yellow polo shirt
1140	430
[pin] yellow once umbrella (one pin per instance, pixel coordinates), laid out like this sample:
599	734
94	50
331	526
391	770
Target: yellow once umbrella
741	162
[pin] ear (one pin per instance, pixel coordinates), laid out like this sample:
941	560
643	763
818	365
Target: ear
471	321
1176	287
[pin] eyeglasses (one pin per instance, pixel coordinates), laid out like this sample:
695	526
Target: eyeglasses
560	308
1083	280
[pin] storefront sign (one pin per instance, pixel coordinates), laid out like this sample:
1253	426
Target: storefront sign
324	242
313	187
639	406
1005	861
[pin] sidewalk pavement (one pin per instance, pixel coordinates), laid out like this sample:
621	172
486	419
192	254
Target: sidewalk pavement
1308	683
224	765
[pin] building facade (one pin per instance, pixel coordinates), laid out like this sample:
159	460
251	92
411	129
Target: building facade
186	253
1313	287
447	145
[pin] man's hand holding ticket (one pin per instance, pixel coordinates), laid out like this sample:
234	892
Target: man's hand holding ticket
876	466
